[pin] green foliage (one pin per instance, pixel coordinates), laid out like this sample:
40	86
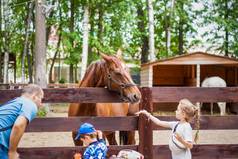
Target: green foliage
221	16
62	81
42	112
124	24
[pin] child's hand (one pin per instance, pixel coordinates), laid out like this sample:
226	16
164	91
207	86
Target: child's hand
179	138
99	134
143	112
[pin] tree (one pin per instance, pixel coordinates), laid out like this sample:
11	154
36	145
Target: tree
151	30
168	27
40	46
1	41
26	41
222	18
140	32
85	41
6	42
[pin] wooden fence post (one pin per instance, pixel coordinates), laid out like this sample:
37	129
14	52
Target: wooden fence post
145	126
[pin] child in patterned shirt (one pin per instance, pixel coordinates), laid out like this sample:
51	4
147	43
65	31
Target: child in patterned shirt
96	146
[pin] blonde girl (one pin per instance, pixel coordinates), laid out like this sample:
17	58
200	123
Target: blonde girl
180	141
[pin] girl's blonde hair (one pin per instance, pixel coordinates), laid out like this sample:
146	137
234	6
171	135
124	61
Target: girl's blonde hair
191	112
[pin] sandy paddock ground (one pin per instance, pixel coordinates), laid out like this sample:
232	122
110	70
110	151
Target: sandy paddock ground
49	139
160	138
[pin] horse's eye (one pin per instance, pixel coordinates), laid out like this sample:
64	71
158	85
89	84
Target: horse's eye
118	72
127	69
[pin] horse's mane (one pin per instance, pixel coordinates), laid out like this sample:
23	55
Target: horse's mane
97	71
94	75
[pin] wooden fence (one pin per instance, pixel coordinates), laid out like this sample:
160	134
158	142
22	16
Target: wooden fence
149	96
50	85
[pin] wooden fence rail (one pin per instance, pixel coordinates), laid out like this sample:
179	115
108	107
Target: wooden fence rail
149	96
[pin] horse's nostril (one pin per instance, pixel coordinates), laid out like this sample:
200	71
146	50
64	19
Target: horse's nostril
136	97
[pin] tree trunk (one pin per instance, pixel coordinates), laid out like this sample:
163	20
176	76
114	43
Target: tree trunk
226	30
29	62
31	52
40	47
151	31
1	42
181	23
59	69
49	26
92	31
169	17
85	41
26	42
141	27
5	68
71	28
75	74
100	23
5	44
54	58
57	48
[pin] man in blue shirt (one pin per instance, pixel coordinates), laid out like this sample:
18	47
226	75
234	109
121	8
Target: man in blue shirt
14	117
96	146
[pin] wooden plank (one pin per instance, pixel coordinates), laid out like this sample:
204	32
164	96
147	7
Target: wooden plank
72	123
168	81
69	95
174	94
159	94
63	152
213	70
228	151
145	126
208	122
122	123
218	151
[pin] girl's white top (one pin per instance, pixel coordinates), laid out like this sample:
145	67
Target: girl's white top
177	148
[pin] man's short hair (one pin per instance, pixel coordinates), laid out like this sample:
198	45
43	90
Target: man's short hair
32	89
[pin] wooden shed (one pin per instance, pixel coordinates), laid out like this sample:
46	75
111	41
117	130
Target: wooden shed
189	70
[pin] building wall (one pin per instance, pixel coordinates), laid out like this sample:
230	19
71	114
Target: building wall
146	76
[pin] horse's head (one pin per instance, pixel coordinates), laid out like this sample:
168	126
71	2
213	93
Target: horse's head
119	79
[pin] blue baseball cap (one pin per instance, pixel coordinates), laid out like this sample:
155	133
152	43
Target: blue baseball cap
86	128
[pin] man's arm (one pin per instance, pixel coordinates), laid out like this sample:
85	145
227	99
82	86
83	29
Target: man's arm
18	130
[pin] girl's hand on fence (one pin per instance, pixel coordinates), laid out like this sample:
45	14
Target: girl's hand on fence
143	112
139	112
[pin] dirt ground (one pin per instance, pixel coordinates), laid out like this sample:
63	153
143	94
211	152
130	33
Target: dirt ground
63	139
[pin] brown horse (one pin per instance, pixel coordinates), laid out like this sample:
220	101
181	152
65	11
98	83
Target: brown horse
112	74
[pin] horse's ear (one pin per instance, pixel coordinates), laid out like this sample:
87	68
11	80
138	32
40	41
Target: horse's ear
119	53
105	57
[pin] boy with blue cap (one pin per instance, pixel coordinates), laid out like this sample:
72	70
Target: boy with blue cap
93	139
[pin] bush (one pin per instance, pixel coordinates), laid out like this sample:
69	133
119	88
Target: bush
62	80
41	112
